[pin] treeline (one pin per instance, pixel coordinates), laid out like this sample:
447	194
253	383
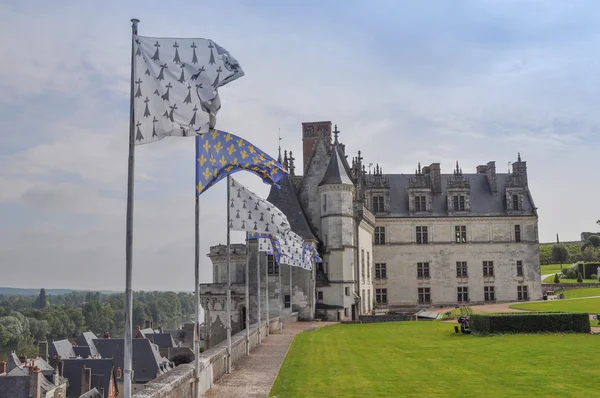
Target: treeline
26	319
571	253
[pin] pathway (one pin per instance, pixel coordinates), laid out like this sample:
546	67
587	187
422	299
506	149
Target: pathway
254	376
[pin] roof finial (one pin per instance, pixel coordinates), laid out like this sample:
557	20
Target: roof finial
279	157
291	164
519	157
335	134
419	167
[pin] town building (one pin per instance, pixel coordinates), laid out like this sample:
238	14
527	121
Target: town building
394	241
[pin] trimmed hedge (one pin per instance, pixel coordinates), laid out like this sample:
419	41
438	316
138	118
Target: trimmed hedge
534	322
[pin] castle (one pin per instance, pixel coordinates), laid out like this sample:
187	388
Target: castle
391	241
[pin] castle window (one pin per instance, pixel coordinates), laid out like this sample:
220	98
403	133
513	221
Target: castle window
347	291
522	293
515	202
272	266
368	266
488	268
489	294
362	265
380	270
420	203
346	312
320	295
458	202
422	270
325	202
460	233
379	235
378	204
461	268
422	237
424	295
463	293
381	296
519	268
286	301
517	233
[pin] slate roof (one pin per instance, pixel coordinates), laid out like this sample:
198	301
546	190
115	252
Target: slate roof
286	200
147	360
87	340
482	201
93	393
336	172
14	387
102	369
64	348
82	351
162	340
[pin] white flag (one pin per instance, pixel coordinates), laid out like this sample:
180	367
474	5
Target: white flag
291	249
176	85
249	212
264	245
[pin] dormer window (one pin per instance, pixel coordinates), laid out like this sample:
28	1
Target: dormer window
515	202
420	203
378	204
458	202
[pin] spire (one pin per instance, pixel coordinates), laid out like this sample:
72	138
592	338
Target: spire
335	134
336	170
285	160
291	162
279	157
519	156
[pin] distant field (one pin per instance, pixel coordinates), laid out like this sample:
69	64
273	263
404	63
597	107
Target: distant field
427	359
583	292
589	305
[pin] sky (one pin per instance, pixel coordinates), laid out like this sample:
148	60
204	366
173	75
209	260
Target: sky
405	82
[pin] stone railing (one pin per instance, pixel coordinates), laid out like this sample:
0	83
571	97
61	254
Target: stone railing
179	382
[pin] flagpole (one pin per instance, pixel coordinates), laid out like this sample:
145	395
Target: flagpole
280	298
247	293
258	289
291	291
228	276
128	348
313	291
268	330
197	296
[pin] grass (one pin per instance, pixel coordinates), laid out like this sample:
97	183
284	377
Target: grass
426	359
550	279
583	292
589	305
552	268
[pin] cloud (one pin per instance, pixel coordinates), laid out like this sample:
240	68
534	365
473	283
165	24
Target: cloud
470	80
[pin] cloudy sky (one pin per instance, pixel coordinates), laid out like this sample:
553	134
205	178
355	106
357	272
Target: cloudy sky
405	81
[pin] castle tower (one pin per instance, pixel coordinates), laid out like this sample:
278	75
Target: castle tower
336	192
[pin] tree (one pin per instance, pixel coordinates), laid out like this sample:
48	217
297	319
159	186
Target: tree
594	240
579	278
27	347
5	335
41	300
39	329
556	280
590	254
560	254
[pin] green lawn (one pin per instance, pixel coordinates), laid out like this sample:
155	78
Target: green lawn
583	292
552	268
590	305
426	359
550	279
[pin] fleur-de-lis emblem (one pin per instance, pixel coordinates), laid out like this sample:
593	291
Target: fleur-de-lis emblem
223	161
201	160
215	134
244	154
228	137
212	160
231	149
240	142
206	146
218	147
206	174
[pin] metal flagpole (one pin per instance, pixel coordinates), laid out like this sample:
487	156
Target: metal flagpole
313	290
258	290
197	298
291	291
228	276
267	292
128	348
280	298
247	293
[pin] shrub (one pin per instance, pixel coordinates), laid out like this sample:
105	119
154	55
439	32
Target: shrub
535	322
556	280
569	273
594	240
184	357
579	278
594	276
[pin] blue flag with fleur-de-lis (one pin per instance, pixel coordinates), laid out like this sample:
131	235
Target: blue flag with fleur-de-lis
219	153
176	83
274	246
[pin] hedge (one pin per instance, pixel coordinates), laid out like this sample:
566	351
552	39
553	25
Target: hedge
534	322
546	254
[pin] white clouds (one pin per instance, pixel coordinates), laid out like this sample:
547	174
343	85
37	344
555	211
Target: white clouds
475	83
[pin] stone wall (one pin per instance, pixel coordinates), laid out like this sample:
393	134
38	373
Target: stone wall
179	382
385	318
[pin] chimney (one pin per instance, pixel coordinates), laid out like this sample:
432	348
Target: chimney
43	350
35	382
136	331
436	177
152	324
86	380
311	133
60	365
481	169
146	324
490	173
2	367
106	335
56	377
119	373
520	169
23	358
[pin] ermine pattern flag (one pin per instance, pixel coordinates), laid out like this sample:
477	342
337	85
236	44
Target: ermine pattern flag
249	212
264	245
292	250
272	244
176	85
